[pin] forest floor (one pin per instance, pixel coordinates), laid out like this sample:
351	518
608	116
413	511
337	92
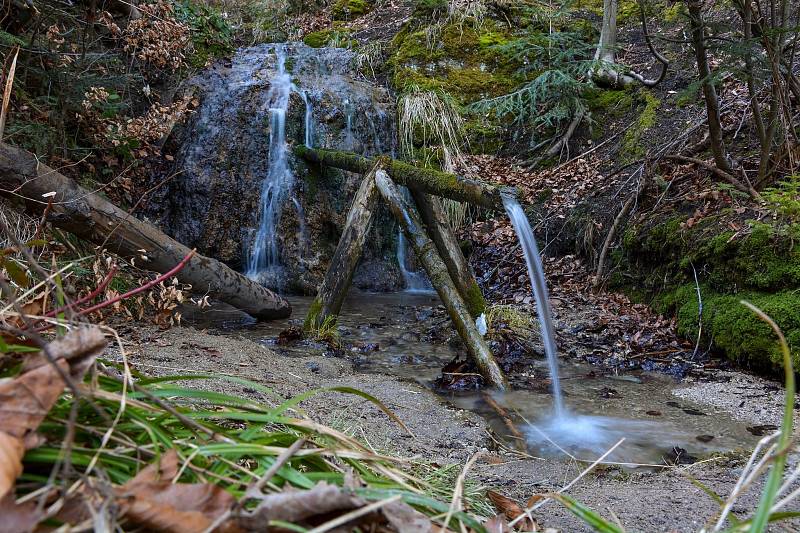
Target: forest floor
644	499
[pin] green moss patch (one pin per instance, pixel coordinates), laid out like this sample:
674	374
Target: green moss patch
331	37
737	330
632	146
345	10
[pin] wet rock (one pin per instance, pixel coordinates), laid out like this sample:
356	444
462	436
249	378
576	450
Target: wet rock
705	438
424	314
313	367
678	456
693	412
289	335
608	392
654	413
763	429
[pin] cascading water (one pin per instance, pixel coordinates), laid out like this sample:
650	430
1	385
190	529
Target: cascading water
414	281
536	273
263	258
565	430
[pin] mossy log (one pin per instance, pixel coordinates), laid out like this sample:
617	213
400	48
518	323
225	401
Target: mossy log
333	290
445	240
426	252
91	217
430	181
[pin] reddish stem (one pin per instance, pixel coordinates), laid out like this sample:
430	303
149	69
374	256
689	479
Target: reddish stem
166	275
89	297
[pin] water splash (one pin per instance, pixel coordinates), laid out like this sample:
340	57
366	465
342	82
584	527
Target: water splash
309	120
545	313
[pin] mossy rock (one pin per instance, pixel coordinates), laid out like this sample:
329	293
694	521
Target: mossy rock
330	37
632	146
736	330
345	10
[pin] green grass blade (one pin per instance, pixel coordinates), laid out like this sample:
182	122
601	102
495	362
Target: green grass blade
761	517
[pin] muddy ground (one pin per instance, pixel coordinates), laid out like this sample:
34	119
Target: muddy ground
644	500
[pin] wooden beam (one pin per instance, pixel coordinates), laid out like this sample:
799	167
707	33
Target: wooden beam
91	217
427	180
339	275
426	252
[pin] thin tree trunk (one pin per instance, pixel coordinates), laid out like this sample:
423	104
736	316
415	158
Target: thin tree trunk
709	92
411	225
430	181
333	290
93	218
445	240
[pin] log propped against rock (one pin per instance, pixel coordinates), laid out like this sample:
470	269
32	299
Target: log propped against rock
426	180
426	251
91	217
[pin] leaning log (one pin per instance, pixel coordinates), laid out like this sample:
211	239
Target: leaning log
333	290
412	227
91	217
445	240
428	180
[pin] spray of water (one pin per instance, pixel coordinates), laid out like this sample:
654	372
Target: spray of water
536	273
264	259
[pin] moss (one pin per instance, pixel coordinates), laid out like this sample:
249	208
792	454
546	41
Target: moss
344	10
632	147
330	37
611	103
474	300
674	12
471	84
483	136
406	78
738	331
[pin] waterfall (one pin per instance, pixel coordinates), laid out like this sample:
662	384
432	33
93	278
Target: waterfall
309	127
414	281
264	259
534	261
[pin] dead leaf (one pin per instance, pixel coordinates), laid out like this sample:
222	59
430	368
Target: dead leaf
79	347
405	519
26	399
299	507
497	524
11	452
16	517
511	510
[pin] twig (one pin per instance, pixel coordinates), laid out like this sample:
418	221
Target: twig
458	490
89	297
699	313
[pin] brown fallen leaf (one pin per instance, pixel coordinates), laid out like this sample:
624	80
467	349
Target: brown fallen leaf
511	510
497	524
151	500
79	348
26	399
405	519
301	506
11	451
16	518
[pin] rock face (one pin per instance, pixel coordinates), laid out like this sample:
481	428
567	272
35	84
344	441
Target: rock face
225	165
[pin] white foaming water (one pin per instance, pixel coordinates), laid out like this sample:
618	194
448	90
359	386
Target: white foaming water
415	282
264	258
566	431
535	271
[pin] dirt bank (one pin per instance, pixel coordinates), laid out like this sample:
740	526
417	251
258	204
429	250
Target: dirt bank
662	500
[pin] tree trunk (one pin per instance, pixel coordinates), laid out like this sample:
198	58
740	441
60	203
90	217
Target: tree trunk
337	280
446	243
411	225
709	92
607	47
93	218
430	181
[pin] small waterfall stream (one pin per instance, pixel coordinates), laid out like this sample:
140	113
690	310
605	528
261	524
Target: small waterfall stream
545	313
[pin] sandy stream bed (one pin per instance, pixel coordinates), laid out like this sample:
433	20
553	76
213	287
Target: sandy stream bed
644	501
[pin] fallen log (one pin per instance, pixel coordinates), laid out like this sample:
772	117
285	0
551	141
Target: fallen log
333	290
430	181
426	252
91	217
445	240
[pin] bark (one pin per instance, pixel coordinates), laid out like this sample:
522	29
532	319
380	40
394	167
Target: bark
91	217
442	235
430	181
333	290
709	91
411	225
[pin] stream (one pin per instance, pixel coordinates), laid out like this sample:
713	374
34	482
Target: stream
388	333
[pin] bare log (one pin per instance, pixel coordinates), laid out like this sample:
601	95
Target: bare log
333	290
91	217
427	180
445	240
411	225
